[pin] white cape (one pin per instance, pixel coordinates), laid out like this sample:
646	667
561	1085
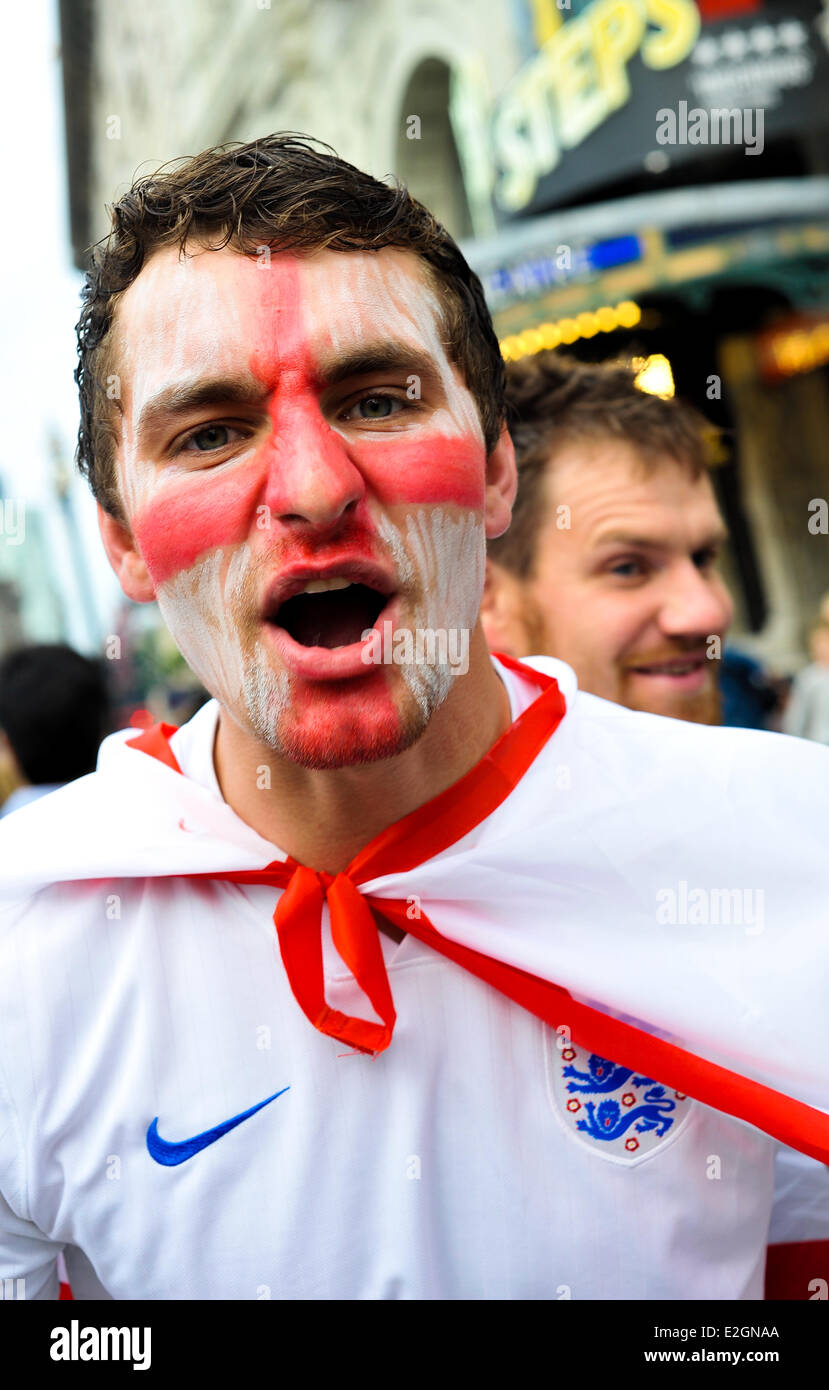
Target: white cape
673	875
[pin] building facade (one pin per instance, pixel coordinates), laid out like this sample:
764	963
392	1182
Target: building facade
627	176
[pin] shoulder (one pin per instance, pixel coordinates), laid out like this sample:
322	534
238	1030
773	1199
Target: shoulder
697	774
703	746
90	829
36	833
648	755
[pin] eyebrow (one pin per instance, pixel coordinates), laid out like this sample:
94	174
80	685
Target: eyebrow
717	537
174	401
369	358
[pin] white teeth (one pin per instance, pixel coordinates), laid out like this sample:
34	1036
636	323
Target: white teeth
322	586
673	670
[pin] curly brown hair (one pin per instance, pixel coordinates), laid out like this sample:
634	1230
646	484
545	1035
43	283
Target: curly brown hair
288	192
552	400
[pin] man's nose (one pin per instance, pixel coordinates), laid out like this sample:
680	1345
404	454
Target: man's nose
311	476
696	603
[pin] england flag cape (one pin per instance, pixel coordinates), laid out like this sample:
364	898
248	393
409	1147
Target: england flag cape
656	891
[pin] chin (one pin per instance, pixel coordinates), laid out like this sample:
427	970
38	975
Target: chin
704	708
330	725
707	710
326	750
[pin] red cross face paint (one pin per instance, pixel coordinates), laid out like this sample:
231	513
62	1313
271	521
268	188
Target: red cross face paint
301	464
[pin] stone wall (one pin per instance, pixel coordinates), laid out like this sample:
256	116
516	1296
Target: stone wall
170	79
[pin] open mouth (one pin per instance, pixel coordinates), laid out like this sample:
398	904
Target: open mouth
330	613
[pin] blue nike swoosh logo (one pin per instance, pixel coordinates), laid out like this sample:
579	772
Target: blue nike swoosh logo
171	1153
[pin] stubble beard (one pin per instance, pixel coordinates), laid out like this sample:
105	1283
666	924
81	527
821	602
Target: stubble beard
704	708
212	613
347	739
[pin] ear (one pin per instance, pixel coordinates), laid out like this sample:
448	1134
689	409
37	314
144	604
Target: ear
501	612
125	558
501	486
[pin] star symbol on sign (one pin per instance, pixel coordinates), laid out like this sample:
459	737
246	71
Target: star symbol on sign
734	44
706	52
763	39
792	34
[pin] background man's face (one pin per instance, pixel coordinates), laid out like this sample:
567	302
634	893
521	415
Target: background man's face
292	424
629	594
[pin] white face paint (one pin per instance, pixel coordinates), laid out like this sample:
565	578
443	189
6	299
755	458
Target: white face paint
369	291
166	349
441	553
448	554
404	491
200	607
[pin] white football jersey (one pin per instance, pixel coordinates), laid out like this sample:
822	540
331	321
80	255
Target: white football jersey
169	1117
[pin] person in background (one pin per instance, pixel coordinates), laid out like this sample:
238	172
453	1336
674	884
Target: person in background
807	712
751	697
54	712
610	564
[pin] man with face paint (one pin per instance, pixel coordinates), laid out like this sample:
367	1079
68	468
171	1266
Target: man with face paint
285	490
332	974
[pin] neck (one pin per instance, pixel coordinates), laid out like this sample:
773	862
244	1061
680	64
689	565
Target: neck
323	818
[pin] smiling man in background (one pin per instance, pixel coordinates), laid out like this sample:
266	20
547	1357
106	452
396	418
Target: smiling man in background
610	562
312	974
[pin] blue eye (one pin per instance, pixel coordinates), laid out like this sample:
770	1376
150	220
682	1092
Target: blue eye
627	569
210	439
376	407
217	436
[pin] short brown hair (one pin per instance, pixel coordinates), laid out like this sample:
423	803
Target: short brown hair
283	192
552	400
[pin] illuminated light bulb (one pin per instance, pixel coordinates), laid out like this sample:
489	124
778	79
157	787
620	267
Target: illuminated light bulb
550	335
820	338
802	352
628	314
568	330
588	325
534	340
655	377
606	319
